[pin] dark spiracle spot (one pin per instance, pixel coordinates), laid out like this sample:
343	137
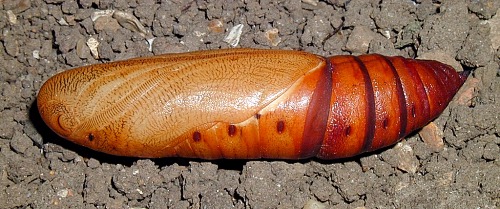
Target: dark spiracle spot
257	115
280	126
385	123
348	131
91	137
196	136
231	130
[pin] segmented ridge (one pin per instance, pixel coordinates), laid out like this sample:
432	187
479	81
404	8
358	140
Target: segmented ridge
370	107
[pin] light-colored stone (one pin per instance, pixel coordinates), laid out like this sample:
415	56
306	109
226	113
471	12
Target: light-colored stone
233	37
360	39
495	30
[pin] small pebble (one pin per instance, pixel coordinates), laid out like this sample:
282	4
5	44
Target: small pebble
130	22
272	36
311	2
314	204
432	136
101	13
233	37
92	43
216	26
360	39
12	17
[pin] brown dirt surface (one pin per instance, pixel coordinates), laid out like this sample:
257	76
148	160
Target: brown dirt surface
42	38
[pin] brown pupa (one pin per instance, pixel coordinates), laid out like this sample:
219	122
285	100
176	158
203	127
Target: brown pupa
246	103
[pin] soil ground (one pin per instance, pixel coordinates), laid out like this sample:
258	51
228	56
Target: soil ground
41	38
